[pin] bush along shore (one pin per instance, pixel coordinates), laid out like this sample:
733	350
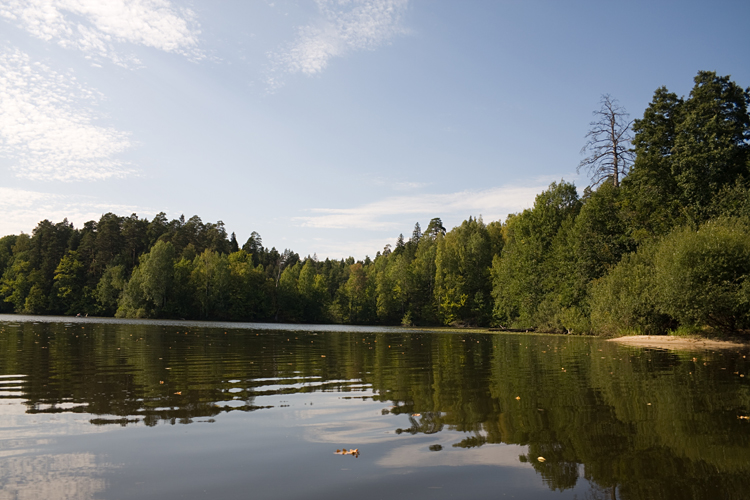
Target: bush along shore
660	242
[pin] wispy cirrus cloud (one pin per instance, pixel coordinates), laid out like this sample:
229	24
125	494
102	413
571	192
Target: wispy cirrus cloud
47	129
396	185
493	203
95	27
22	209
343	26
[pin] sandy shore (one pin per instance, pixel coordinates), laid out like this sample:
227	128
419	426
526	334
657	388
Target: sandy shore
686	343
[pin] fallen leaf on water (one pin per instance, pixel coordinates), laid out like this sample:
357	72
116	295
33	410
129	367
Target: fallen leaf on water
179	393
354	452
518	397
541	459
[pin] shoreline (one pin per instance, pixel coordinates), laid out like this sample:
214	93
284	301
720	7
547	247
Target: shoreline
678	343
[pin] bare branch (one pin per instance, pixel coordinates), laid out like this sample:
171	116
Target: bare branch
608	144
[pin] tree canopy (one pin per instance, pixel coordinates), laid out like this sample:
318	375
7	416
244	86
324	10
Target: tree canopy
658	246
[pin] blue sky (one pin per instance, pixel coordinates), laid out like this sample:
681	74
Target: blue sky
328	127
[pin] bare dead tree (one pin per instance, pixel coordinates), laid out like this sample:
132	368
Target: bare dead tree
609	144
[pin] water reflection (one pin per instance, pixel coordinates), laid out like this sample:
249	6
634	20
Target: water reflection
72	476
634	423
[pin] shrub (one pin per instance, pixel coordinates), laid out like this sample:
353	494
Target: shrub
702	276
624	300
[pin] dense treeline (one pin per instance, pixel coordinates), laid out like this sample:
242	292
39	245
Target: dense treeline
667	247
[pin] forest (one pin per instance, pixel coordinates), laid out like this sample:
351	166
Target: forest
659	242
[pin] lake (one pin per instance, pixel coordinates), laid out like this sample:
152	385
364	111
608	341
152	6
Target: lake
121	409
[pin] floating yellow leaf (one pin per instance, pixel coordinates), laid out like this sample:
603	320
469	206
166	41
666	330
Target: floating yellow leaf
518	397
541	459
353	452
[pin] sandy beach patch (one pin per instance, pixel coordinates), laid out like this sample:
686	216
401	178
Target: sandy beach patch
678	343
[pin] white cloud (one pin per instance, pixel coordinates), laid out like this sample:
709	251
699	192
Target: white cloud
64	476
338	249
410	456
95	26
21	210
396	185
344	26
46	128
493	204
408	186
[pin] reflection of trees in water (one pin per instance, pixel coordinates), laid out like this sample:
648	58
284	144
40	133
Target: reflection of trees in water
581	404
601	493
646	424
427	423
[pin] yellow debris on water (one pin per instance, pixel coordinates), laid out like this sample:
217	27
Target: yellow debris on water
353	452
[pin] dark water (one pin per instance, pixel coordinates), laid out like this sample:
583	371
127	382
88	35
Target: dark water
120	410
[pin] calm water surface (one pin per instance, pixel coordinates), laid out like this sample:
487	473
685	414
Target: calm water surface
108	409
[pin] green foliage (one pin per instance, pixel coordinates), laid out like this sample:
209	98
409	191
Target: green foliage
650	190
67	290
133	303
687	151
36	301
462	264
109	289
625	300
690	278
146	293
703	277
524	275
157	273
249	289
289	306
711	142
600	235
357	302
6	251
209	281
394	284
19	275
